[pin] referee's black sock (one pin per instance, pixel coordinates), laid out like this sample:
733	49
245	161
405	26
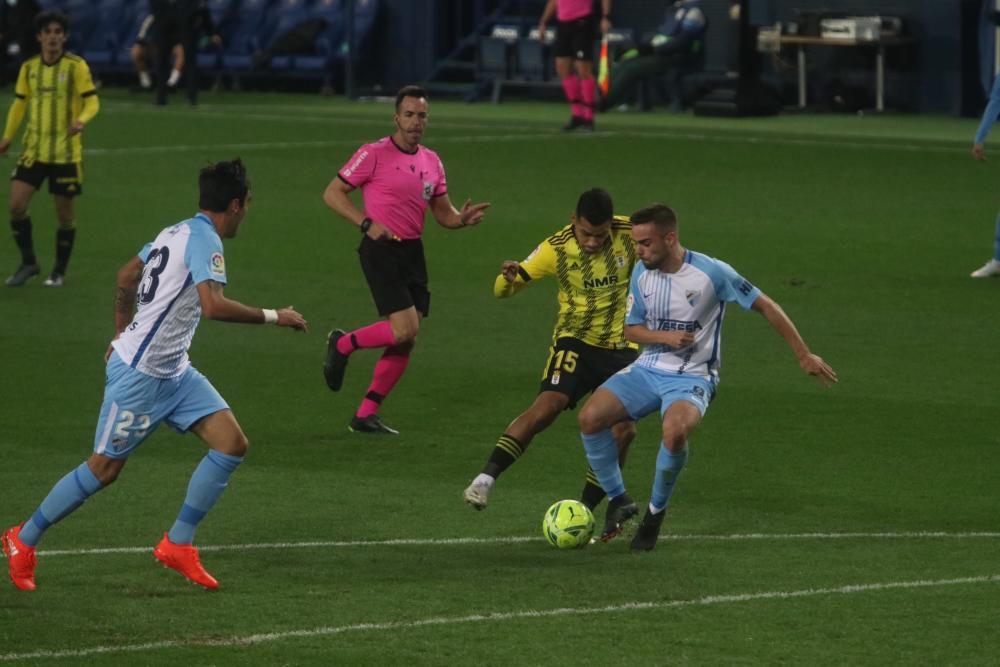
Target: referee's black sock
22	237
64	248
507	450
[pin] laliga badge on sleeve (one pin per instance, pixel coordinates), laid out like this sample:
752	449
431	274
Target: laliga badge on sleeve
218	264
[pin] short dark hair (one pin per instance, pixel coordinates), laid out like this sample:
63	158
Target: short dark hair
660	215
43	19
409	91
595	205
221	182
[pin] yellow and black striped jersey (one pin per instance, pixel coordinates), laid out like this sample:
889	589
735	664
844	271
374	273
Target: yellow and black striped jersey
593	288
55	94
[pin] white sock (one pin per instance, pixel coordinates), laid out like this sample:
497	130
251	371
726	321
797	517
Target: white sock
145	80
175	76
483	478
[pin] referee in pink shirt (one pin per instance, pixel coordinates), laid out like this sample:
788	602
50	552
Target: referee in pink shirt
574	51
399	179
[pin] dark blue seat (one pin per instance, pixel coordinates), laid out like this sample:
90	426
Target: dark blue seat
223	13
329	43
82	21
245	35
103	41
137	13
283	16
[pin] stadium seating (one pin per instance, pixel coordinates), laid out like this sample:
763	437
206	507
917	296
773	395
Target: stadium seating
103	40
223	13
245	35
103	32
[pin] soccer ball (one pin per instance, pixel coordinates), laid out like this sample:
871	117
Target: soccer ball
568	524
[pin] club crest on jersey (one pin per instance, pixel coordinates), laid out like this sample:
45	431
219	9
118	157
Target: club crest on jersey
218	264
428	189
620	260
692	297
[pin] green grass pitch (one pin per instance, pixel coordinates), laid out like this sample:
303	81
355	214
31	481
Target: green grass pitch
849	525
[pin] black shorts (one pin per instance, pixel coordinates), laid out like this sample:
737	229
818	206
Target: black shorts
396	272
575	39
65	180
575	368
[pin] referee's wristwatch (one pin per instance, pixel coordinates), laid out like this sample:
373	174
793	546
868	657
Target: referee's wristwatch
366	225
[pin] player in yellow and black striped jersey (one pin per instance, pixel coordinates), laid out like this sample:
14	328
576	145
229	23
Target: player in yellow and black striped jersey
592	260
56	92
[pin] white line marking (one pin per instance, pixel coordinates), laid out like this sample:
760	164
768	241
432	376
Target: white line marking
329	631
517	539
831	142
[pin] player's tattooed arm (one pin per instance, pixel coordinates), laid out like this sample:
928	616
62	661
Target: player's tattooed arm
126	287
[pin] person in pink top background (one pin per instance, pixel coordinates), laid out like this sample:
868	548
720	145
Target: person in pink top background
399	180
574	51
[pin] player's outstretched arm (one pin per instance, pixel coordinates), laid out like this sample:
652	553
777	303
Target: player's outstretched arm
215	306
126	287
809	362
508	283
447	216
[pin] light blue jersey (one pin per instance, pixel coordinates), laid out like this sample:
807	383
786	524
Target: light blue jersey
156	342
691	299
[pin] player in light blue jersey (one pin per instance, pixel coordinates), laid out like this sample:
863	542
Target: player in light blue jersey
992	266
677	299
176	280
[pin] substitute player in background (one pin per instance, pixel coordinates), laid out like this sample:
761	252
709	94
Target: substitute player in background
57	92
399	179
592	259
990	114
574	51
676	303
177	279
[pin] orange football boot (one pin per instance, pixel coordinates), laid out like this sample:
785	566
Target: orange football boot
184	559
21	559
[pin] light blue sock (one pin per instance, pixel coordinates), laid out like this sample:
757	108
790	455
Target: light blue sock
602	453
996	240
208	482
668	467
69	493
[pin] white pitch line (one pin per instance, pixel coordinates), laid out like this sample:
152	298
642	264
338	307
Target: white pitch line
460	541
329	631
532	136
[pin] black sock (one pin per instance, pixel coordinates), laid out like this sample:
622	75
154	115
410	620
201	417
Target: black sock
22	237
64	248
507	450
592	493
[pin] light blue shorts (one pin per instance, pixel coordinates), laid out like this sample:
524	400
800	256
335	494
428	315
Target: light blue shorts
136	403
642	390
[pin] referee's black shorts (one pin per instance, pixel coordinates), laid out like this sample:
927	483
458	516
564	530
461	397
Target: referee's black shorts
396	272
575	39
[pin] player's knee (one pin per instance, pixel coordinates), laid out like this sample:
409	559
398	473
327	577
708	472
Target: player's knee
105	469
590	420
17	210
405	334
674	437
624	433
239	445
